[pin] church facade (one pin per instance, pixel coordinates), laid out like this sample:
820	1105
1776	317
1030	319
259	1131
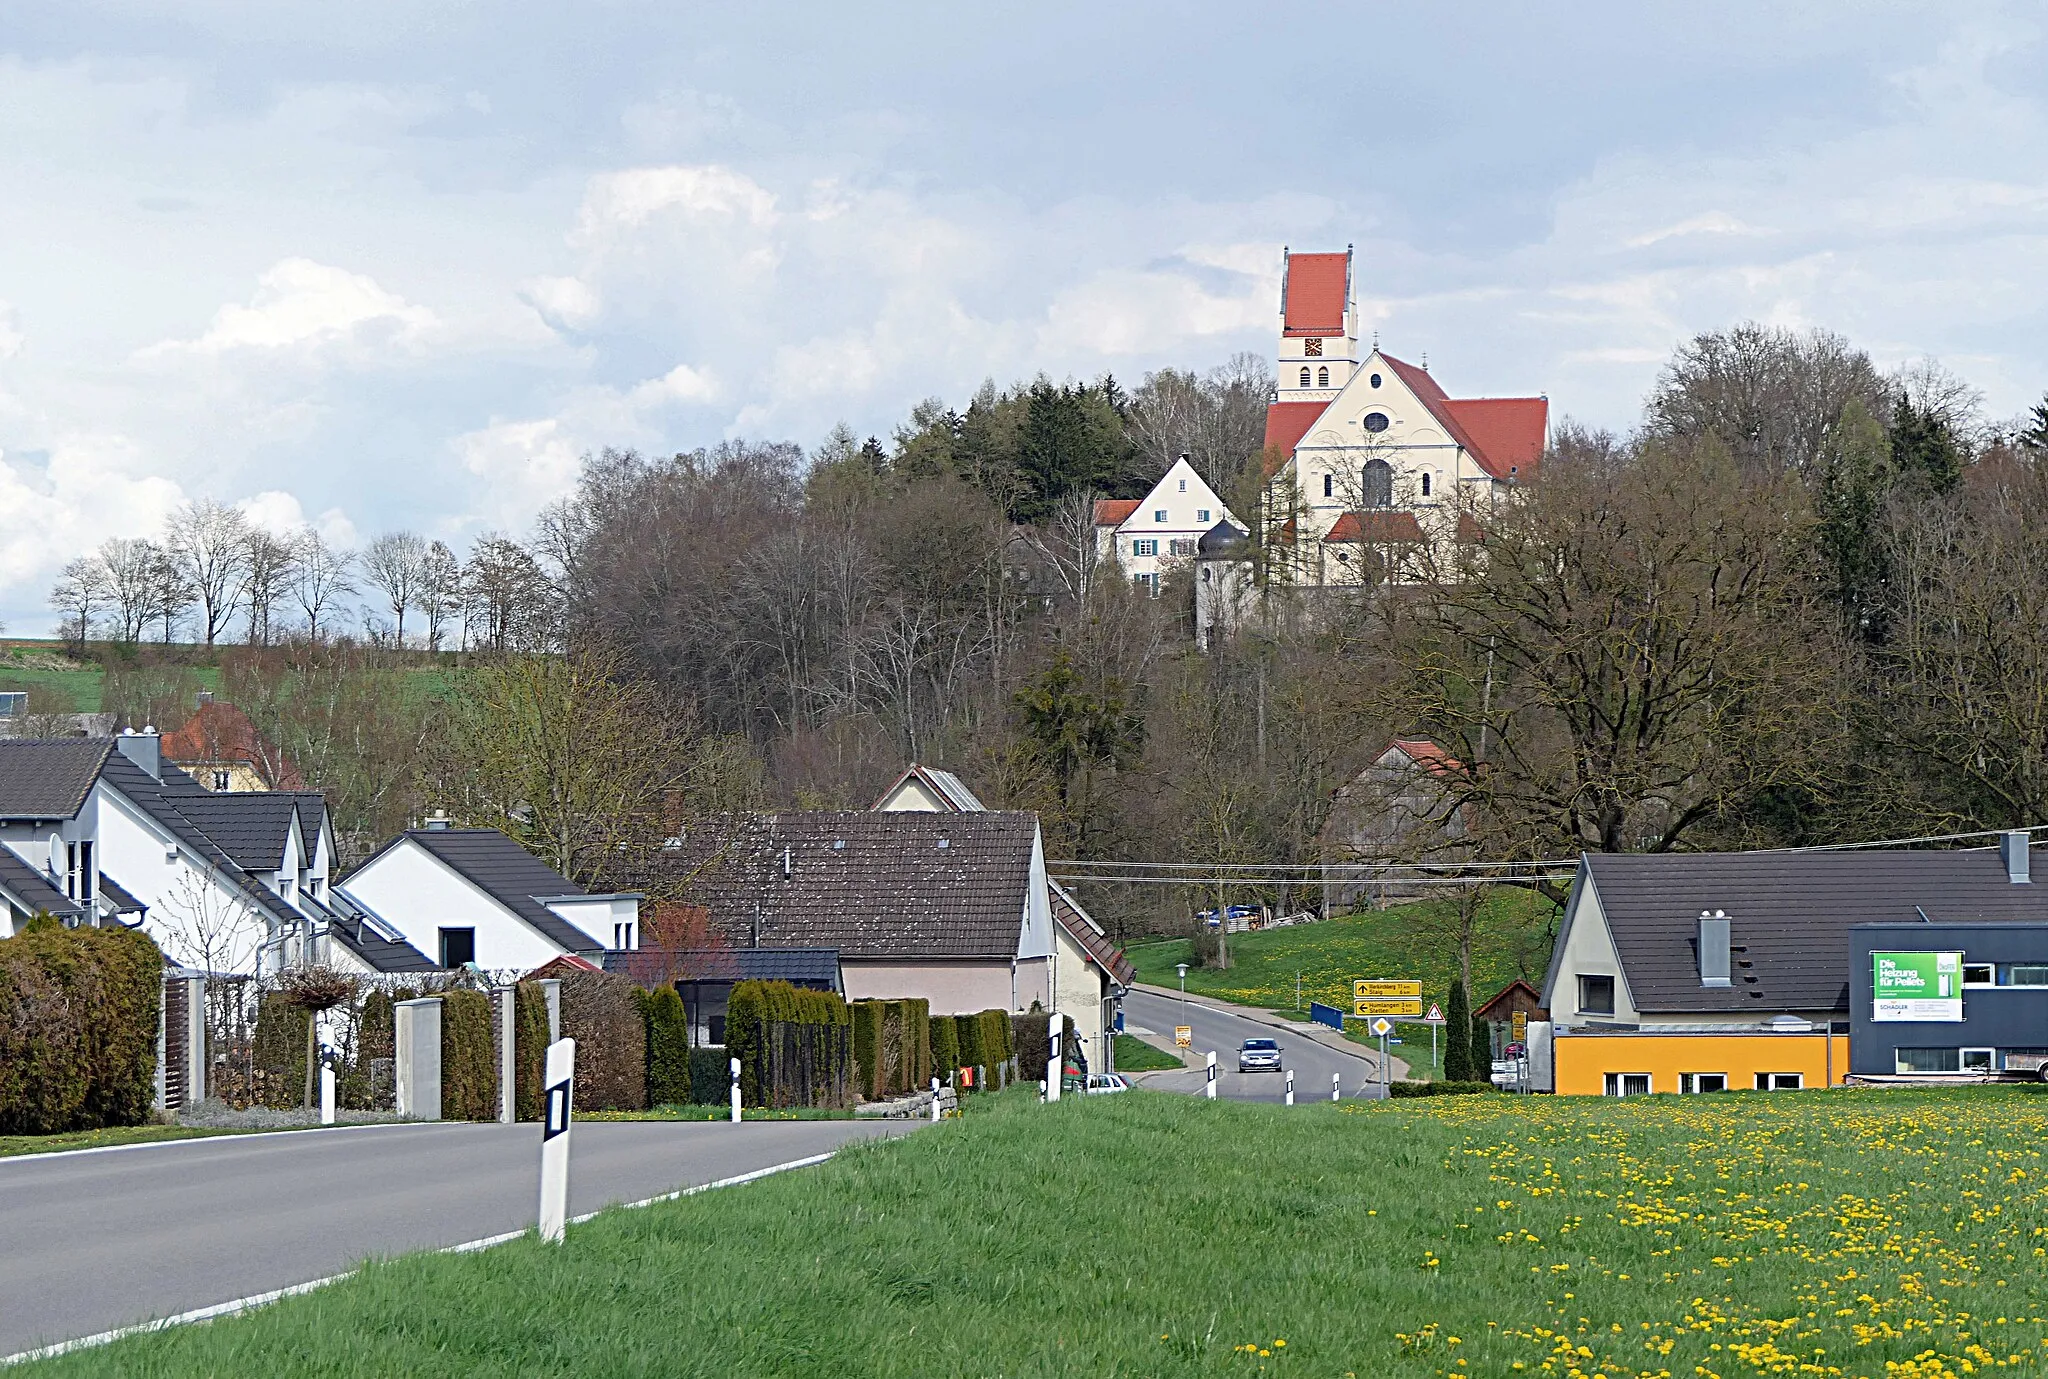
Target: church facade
1370	464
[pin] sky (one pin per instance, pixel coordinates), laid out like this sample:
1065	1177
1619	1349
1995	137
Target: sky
400	264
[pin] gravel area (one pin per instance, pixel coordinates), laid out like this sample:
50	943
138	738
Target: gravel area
218	1115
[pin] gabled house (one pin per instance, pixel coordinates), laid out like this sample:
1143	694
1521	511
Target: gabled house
1147	536
223	750
930	790
461	895
1398	809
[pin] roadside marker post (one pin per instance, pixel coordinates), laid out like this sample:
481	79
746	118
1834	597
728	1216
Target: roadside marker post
1290	1086
327	1094
1041	1091
1210	1089
1336	1082
1056	1060
735	1091
560	1095
935	1099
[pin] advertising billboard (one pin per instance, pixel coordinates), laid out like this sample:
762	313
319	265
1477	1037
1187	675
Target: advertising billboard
1917	986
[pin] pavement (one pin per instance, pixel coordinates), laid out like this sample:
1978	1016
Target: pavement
103	1239
1314	1053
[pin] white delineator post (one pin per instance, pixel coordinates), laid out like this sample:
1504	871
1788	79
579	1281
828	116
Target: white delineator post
559	1091
508	1066
327	1094
1336	1081
1210	1063
1056	1058
935	1098
1290	1086
735	1091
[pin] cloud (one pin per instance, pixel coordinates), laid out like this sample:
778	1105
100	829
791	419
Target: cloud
88	488
11	339
617	203
300	304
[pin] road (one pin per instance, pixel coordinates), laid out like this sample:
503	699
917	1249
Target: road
94	1241
1313	1063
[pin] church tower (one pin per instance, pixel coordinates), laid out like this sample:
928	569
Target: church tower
1318	326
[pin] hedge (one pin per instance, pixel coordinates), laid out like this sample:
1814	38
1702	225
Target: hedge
1439	1088
710	1076
78	1024
529	1049
945	1046
279	1053
892	1045
469	1074
601	1012
795	1047
984	1041
868	1025
668	1048
1031	1036
376	1038
917	1034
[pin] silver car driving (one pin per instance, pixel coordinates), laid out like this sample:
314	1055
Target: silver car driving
1258	1056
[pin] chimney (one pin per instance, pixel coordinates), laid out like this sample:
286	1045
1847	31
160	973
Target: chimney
2012	847
1713	942
438	821
145	749
205	698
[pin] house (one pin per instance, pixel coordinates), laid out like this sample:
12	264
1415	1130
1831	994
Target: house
1368	458
220	747
1398	809
463	895
1147	536
105	830
1090	974
1695	972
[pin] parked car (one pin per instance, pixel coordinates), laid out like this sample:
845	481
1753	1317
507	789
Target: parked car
1102	1083
1258	1055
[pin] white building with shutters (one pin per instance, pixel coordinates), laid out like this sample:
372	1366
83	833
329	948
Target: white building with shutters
1145	537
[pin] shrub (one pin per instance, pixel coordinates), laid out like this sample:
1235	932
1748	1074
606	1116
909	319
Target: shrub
279	1051
375	1041
868	1024
1031	1041
969	1028
710	1075
1465	1088
668	1049
529	1049
600	1012
795	1047
1458	1035
78	1018
944	1037
917	1036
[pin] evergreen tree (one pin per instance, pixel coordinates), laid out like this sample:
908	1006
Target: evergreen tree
1925	452
1857	478
2035	436
1458	1035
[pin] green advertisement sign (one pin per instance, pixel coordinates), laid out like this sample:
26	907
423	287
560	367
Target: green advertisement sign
1917	986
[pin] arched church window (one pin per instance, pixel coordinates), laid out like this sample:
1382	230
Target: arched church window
1322	378
1425	485
1376	484
1304	378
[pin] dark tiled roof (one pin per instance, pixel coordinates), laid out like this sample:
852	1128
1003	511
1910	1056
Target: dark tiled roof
31	890
116	899
49	778
1077	921
163	801
510	875
647	966
251	827
1789	914
895	885
348	924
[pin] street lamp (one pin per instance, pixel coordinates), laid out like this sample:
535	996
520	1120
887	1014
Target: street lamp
1183	991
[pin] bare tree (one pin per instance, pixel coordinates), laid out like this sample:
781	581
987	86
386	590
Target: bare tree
130	563
320	577
209	927
1066	545
506	597
81	592
170	592
268	568
440	590
1772	396
211	545
393	565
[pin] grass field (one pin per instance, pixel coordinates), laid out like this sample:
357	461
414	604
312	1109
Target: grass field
1134	1055
1869	1233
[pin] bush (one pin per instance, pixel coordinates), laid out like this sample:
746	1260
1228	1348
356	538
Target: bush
868	1023
1031	1041
710	1076
969	1030
795	1047
668	1049
1458	1036
469	1075
1467	1088
529	1049
944	1037
78	1018
600	1011
376	1040
917	1035
279	1052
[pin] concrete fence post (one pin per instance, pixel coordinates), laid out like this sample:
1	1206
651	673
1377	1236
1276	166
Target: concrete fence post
508	1062
418	1046
551	991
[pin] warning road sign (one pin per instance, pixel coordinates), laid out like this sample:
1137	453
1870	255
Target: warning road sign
1435	1016
1410	1009
1386	991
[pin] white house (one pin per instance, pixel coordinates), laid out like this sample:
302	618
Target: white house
464	895
1144	536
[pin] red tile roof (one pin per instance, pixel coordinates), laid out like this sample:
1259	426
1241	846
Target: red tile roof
220	733
1111	512
1374	528
1507	432
1427	755
1286	424
1315	294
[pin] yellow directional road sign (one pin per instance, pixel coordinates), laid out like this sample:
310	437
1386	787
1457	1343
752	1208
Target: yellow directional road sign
1412	1009
1386	991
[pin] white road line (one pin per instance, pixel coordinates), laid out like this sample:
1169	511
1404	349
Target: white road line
45	1157
239	1305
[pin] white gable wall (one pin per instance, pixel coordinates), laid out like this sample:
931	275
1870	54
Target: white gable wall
1143	544
1586	947
417	894
194	915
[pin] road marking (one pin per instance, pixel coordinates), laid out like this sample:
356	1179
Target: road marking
248	1304
45	1157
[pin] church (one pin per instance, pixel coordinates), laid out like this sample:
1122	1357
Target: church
1369	462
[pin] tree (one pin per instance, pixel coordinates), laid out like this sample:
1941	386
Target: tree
268	566
130	564
1856	485
210	543
393	565
314	989
1926	453
1071	438
2033	433
320	578
1772	397
1458	1035
82	590
440	590
507	599
170	593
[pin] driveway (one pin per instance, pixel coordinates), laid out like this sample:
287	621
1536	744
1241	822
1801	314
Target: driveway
1313	1058
104	1239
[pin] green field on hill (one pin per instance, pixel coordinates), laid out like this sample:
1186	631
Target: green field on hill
1850	1233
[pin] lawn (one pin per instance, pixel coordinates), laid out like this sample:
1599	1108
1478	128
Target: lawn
1866	1233
11	1145
1512	938
1134	1055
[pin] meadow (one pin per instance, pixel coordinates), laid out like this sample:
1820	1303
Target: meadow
1882	1234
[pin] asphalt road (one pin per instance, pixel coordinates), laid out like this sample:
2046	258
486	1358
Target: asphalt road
1313	1063
91	1242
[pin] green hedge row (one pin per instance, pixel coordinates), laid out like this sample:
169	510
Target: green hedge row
529	1049
710	1076
892	1045
1032	1034
469	1071
945	1042
78	1023
601	1011
1462	1088
984	1040
668	1047
795	1047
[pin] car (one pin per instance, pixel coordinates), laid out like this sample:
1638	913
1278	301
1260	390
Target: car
1258	1055
1100	1084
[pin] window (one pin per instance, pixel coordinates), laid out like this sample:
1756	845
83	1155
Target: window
1980	974
1144	548
1304	378
1779	1082
1702	1082
312	887
622	935
1329	484
1375	380
1201	514
2023	974
1313	347
1627	1084
1376	422
1924	1061
1425	485
1377	484
1979	1060
1323	377
1159	514
1180	546
1183	485
458	946
1596	995
220	780
1148	583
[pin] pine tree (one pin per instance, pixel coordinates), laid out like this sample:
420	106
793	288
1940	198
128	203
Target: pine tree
1458	1035
2035	434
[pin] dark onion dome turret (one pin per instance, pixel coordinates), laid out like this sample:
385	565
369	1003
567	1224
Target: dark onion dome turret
1222	542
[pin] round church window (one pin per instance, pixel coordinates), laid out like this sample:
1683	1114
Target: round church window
1375	380
1376	422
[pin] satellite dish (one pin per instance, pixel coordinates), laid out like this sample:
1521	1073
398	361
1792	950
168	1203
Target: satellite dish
56	854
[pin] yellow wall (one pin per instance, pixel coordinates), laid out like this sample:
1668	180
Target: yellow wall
1584	1060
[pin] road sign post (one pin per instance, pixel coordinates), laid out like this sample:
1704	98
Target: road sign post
1290	1086
559	1084
1383	1027
735	1091
1210	1089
